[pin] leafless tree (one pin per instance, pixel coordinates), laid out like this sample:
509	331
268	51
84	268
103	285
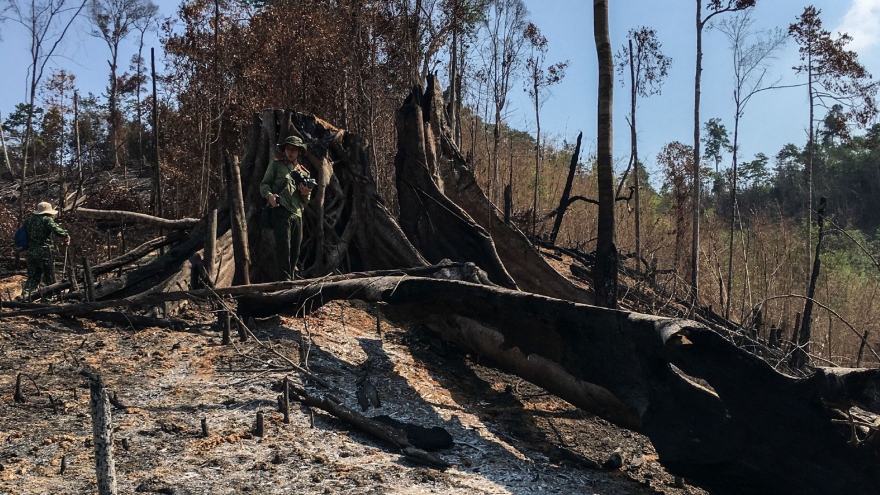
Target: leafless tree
504	27
113	21
714	7
605	269
647	68
539	79
46	22
751	51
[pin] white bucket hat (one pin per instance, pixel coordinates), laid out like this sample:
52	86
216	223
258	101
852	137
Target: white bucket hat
45	208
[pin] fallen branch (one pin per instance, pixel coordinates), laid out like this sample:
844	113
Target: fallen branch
130	216
127	258
372	427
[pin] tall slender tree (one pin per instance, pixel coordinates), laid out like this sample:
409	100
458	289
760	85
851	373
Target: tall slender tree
539	79
113	21
834	75
46	22
714	8
605	269
648	67
505	27
751	51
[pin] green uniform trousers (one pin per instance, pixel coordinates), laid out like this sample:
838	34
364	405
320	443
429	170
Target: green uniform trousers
288	237
40	269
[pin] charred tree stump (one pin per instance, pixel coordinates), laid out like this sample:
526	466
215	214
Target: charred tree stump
523	262
102	435
433	223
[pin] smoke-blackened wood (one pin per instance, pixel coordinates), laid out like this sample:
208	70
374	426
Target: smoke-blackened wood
130	216
751	433
523	262
566	192
372	427
239	221
211	245
102	435
126	259
434	224
89	278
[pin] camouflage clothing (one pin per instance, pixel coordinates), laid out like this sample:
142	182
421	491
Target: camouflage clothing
40	229
287	218
277	178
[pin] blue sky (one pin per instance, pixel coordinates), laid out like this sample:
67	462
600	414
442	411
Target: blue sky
772	119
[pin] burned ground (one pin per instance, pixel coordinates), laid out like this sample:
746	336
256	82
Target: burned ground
510	436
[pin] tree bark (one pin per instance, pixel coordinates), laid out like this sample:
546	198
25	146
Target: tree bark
566	192
751	433
102	436
605	269
801	354
697	184
239	222
130	216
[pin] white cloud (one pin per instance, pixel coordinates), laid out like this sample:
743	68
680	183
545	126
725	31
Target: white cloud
862	22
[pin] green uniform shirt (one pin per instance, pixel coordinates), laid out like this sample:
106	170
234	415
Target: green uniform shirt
40	229
277	178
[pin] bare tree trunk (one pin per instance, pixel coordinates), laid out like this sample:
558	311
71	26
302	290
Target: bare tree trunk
635	157
5	152
239	222
605	270
697	183
733	209
157	172
102	435
801	354
564	202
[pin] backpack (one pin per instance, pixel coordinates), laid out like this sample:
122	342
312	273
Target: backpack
21	239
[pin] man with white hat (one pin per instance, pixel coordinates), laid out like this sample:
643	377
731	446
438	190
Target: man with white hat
41	227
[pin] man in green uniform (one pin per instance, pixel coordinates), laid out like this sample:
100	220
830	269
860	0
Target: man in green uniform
41	227
288	197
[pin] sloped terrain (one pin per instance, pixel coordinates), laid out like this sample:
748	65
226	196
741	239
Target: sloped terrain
510	437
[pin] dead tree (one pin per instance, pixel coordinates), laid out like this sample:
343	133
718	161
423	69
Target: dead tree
750	433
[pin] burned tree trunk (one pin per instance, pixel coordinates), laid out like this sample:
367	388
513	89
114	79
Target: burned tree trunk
526	265
435	225
564	202
751	433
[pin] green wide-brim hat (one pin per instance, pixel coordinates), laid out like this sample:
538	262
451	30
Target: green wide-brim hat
294	140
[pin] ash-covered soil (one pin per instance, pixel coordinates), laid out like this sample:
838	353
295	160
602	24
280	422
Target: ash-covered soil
510	436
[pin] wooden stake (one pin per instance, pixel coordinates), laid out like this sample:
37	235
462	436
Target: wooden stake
211	246
242	333
226	322
89	280
261	426
239	221
102	435
17	397
286	404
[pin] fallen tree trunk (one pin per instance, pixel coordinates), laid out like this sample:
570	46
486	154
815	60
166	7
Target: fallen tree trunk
127	258
386	433
448	271
130	216
752	433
